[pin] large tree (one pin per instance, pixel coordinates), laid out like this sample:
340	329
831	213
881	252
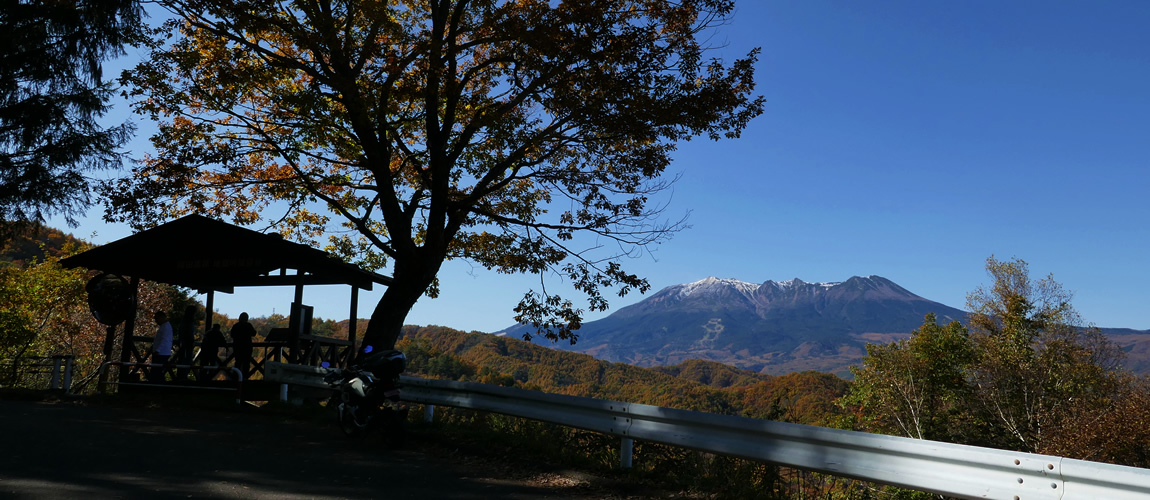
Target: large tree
915	387
1027	375
491	130
1037	359
52	94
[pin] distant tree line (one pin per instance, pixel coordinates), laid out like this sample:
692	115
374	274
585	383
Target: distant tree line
320	327
801	397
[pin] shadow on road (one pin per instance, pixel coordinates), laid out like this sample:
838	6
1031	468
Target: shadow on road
66	450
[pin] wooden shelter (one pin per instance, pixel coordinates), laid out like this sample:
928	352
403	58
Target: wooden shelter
211	256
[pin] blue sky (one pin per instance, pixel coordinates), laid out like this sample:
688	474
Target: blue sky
905	139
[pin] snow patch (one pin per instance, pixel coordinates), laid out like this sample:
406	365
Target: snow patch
712	285
798	282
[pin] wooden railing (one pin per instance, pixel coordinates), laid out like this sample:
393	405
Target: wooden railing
308	350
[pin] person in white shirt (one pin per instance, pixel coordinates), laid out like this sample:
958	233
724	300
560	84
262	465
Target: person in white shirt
161	346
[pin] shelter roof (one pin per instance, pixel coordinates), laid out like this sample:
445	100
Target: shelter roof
206	254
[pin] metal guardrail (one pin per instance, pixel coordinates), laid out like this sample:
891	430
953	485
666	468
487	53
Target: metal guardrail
936	467
36	372
943	468
293	374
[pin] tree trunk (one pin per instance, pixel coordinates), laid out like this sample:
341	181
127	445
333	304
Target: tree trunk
390	313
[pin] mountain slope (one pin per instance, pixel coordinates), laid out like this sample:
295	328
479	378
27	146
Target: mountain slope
774	327
777	327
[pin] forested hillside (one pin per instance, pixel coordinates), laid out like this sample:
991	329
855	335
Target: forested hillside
806	397
37	243
44	309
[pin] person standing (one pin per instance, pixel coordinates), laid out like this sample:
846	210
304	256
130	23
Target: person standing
242	334
210	352
186	342
161	346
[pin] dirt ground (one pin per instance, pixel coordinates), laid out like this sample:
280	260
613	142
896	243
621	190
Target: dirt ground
68	448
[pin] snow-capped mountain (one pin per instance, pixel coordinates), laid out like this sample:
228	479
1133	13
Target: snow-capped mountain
776	327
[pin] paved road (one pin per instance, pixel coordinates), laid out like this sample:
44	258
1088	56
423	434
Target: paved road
64	450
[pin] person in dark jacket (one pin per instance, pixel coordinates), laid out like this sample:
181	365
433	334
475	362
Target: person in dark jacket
242	334
210	351
186	342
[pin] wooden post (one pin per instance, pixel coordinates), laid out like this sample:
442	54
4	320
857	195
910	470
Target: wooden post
127	345
209	312
109	342
296	356
351	324
109	346
299	287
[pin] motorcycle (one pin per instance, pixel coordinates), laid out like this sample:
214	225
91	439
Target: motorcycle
368	393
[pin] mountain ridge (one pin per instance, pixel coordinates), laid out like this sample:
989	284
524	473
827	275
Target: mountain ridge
774	327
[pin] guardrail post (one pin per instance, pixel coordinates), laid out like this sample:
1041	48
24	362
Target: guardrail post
283	393
61	372
69	362
625	452
54	382
428	413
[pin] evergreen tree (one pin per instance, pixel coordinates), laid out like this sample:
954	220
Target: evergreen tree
52	92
